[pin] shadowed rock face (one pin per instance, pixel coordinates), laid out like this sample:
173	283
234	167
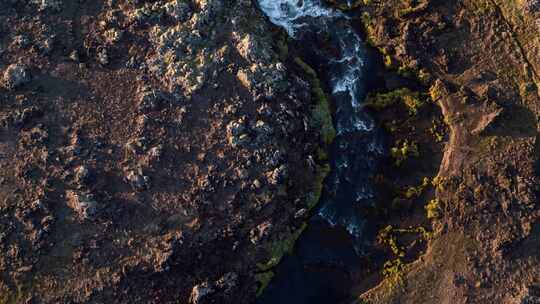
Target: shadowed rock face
340	233
168	145
531	6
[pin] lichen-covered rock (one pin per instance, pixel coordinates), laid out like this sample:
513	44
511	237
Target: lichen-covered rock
262	132
83	204
199	292
16	75
153	135
137	180
227	282
179	10
278	175
48	4
261	231
237	133
267	80
82	175
531	6
149	100
251	48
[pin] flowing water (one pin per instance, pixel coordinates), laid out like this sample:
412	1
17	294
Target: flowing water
339	233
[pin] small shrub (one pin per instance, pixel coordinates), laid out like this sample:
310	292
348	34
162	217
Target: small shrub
433	209
403	151
393	272
412	100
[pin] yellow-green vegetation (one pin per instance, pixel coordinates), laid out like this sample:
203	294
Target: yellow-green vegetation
424	76
314	196
321	114
369	28
436	91
321	119
281	247
263	279
412	100
433	209
403	150
349	6
437	130
282	46
527	88
387	236
412	6
8	296
415	192
439	182
393	271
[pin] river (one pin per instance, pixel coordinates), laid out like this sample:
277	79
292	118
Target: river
339	234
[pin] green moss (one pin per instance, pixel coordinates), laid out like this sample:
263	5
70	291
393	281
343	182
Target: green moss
321	120
286	243
263	279
315	195
282	46
281	247
412	100
412	6
321	115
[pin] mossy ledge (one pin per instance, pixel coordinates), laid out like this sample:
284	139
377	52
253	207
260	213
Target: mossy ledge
321	120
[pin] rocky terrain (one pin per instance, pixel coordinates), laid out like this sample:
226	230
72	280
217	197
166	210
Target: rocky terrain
479	60
150	151
171	151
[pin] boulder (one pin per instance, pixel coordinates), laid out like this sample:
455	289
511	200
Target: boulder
179	10
137	180
199	292
16	75
260	232
83	204
531	6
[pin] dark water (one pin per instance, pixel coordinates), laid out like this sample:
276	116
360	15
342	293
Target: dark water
341	231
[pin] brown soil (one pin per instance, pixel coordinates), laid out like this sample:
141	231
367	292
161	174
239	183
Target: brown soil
481	63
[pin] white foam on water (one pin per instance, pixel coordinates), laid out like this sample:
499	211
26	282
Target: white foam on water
346	81
287	13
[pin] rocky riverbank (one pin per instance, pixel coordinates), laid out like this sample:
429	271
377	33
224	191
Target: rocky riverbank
172	151
151	151
478	60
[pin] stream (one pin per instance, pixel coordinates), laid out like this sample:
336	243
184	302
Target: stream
322	268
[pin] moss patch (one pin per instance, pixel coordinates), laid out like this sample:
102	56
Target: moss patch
263	279
412	100
321	120
321	115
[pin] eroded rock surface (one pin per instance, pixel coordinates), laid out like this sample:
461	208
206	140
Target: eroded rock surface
137	164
